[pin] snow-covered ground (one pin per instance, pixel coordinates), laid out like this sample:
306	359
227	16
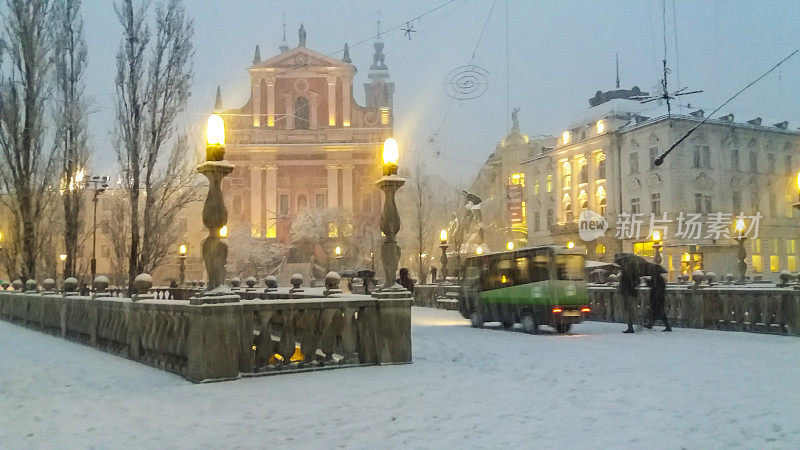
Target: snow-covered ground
595	388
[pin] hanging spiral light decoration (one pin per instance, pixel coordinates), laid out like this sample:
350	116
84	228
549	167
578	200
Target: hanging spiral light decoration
466	82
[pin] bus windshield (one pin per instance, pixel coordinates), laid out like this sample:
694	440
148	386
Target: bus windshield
569	267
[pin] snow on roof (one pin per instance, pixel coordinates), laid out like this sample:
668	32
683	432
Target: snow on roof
616	107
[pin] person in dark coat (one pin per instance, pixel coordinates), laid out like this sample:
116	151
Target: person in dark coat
632	269
658	288
405	280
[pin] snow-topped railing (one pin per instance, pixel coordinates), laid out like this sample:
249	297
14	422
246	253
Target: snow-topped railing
753	308
213	342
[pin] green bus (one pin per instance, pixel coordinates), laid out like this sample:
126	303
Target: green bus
532	286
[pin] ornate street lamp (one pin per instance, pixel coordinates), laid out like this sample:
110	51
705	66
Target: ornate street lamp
740	238
182	258
657	245
99	184
443	246
389	183
215	214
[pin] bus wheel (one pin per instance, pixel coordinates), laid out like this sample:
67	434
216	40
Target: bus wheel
562	328
529	324
477	319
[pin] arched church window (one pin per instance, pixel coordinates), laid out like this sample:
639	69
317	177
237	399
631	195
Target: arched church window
301	121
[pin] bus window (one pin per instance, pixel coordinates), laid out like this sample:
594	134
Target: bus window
539	269
523	270
569	267
501	272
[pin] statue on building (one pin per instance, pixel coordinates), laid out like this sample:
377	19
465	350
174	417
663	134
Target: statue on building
301	34
515	119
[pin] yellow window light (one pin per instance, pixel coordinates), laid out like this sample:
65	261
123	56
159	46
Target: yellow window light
601	126
798	181
215	130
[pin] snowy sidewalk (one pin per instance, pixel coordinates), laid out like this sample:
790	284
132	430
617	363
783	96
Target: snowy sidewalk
595	388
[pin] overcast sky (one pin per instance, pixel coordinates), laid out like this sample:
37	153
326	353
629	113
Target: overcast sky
559	55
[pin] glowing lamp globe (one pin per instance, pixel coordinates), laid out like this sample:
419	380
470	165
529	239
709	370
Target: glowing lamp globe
740	226
443	236
479	251
182	249
656	235
215	131
337	251
223	232
510	245
570	244
391	153
62	257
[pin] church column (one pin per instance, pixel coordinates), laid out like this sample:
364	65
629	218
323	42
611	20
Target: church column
270	102
289	119
256	91
333	185
255	201
345	102
331	101
347	187
313	106
271	201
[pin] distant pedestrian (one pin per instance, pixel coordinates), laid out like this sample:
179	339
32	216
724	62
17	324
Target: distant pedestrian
658	288
405	280
632	269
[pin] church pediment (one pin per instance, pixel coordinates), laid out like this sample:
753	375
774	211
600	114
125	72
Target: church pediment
300	57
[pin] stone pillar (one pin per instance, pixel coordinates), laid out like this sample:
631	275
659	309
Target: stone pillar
345	102
333	185
256	97
347	187
255	202
271	204
289	119
270	102
313	106
331	101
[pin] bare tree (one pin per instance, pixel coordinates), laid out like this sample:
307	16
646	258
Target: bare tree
26	168
422	225
119	234
69	60
147	109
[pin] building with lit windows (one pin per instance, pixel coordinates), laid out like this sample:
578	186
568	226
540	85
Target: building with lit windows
301	141
604	162
503	186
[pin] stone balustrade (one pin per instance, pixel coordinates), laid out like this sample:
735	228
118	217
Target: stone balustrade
275	331
753	307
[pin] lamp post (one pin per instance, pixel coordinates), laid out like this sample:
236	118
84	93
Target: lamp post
182	258
389	183
337	253
63	258
657	245
215	215
99	184
740	238
443	245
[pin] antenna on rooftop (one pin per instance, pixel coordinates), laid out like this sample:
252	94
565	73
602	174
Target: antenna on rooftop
616	56
666	95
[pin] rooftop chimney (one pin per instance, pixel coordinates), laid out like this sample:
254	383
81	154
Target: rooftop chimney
782	125
728	118
756	121
699	113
